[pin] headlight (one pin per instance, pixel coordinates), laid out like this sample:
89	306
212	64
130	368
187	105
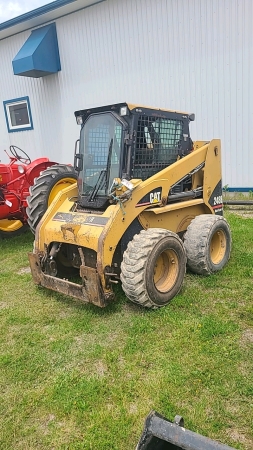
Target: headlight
128	184
21	169
124	111
79	120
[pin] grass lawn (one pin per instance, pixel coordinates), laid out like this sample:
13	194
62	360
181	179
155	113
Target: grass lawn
75	377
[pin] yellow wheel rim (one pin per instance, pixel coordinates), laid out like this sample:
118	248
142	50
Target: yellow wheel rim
62	184
166	270
218	247
9	226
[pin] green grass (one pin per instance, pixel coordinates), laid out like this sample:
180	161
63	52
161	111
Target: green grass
77	377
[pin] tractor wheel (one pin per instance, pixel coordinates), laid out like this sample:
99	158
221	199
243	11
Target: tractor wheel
207	243
11	228
153	267
44	190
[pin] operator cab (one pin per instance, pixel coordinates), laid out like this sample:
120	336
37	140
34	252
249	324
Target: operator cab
126	141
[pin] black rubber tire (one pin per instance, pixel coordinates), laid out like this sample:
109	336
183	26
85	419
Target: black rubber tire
141	263
10	234
208	244
38	200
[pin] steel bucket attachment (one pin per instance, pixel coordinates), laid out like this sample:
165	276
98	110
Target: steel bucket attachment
161	434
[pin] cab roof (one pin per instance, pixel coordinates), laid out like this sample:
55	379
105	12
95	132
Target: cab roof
134	108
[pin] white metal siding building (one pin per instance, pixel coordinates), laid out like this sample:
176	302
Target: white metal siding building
189	55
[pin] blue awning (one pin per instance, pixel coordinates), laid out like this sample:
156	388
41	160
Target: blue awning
39	55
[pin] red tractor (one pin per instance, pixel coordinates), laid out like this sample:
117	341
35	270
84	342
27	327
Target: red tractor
16	178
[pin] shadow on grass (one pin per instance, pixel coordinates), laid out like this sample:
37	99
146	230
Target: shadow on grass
115	306
10	241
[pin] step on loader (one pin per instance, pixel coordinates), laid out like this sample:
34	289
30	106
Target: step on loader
148	202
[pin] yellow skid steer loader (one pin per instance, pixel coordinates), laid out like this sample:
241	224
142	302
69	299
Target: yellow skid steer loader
147	203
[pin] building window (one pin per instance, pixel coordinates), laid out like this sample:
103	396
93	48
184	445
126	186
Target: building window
18	114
